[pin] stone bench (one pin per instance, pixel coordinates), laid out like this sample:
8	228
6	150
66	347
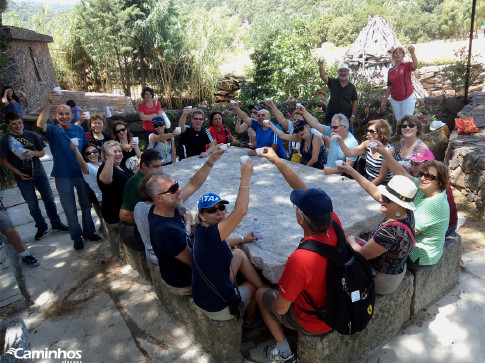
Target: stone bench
112	234
432	283
138	261
221	338
390	312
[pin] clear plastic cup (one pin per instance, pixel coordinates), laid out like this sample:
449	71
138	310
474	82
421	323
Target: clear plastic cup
179	129
266	122
268	100
298	105
260	151
223	147
136	139
339	163
373	145
57	90
244	159
75	141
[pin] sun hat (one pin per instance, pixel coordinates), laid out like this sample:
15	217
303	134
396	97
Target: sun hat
435	125
210	199
158	120
422	155
343	66
401	190
314	203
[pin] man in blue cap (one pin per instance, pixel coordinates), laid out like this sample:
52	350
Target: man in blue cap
305	272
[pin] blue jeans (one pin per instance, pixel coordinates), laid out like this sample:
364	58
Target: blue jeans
27	189
65	187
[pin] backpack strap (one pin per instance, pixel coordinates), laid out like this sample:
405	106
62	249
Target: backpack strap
400	224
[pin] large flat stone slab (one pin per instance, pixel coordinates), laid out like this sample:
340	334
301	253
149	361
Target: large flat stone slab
270	202
11	298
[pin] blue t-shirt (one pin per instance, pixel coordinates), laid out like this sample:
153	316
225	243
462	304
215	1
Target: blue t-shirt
212	257
169	238
76	114
65	163
336	153
29	140
14	107
268	138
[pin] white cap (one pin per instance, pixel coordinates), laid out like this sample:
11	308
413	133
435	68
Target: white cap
435	125
343	66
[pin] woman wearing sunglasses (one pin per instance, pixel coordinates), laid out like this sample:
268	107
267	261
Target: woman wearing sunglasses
432	210
130	147
392	240
376	170
312	149
162	141
409	128
89	162
214	265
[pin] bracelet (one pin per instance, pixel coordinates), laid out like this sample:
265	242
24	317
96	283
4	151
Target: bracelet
242	240
244	186
209	163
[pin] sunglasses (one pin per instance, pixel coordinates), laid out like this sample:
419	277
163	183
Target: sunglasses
213	210
427	176
120	130
369	131
156	126
87	153
408	126
335	127
172	189
385	199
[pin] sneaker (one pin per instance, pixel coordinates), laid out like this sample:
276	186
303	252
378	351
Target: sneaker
60	228
30	260
272	354
94	238
41	232
78	246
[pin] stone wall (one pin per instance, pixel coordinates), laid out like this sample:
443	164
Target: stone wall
466	155
228	88
433	80
29	65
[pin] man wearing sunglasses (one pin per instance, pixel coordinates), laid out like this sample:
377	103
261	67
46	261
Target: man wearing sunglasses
169	237
150	163
195	139
241	126
29	173
66	170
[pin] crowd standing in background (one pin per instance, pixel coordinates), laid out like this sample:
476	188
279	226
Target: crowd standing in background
132	195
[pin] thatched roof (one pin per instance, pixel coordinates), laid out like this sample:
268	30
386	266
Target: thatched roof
374	43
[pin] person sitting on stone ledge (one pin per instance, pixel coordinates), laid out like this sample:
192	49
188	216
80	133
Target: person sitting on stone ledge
264	135
195	139
409	128
168	233
13	237
163	141
432	214
391	241
305	271
150	163
112	177
375	169
340	127
220	132
241	127
215	266
312	149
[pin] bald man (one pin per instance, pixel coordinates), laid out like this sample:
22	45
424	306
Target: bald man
66	170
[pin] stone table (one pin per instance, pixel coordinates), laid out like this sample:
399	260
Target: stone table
270	202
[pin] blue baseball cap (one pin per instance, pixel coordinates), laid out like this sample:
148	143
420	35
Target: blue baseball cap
210	199
158	120
314	203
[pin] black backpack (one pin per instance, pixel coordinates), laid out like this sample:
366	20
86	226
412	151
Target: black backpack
350	286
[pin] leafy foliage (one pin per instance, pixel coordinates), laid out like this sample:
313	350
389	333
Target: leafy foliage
456	72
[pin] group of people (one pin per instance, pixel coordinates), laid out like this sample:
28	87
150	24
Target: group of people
144	206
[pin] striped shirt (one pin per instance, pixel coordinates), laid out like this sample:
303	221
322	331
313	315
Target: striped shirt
373	165
432	218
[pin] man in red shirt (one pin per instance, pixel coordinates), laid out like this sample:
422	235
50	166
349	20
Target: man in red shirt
304	270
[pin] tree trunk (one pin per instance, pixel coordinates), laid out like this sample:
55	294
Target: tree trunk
120	69
143	72
127	77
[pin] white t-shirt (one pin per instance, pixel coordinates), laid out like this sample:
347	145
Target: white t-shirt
140	214
90	180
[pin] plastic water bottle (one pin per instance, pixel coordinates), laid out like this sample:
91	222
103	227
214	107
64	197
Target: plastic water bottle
257	231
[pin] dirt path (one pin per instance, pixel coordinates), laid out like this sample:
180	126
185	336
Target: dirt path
473	231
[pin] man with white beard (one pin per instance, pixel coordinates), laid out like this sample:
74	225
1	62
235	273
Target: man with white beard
343	95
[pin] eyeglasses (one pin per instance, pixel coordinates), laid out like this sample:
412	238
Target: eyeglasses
335	127
172	189
256	112
120	130
370	131
158	125
213	210
427	176
87	153
385	199
409	126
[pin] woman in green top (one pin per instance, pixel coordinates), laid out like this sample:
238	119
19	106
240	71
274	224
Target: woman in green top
432	212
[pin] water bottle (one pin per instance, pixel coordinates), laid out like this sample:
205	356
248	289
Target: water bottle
257	231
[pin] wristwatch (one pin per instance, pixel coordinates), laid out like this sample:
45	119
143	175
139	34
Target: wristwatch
353	116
